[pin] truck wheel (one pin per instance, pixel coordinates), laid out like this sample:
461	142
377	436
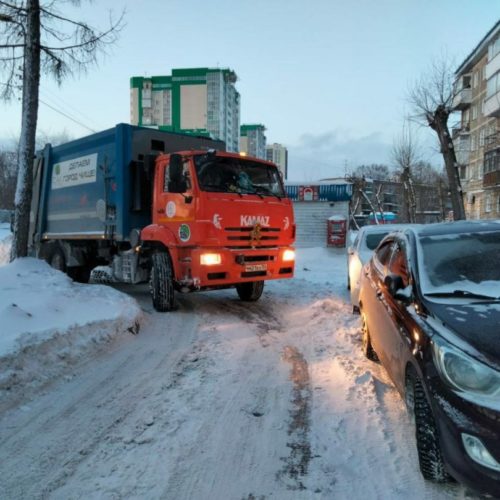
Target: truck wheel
250	292
161	283
80	274
56	259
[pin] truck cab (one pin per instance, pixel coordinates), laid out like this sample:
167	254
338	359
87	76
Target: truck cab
219	220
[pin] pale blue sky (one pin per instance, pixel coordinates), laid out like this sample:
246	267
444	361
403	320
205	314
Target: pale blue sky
327	78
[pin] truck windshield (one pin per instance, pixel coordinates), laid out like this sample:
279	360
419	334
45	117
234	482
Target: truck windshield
237	175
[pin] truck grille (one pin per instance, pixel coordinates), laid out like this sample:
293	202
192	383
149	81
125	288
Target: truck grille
244	237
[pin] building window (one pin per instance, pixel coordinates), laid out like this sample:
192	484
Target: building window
487	204
481	137
494	49
473	142
465	120
474	112
493	85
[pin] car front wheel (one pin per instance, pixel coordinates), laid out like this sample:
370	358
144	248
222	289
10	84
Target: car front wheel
365	340
429	452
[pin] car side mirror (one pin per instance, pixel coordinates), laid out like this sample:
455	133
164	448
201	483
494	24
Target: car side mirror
396	288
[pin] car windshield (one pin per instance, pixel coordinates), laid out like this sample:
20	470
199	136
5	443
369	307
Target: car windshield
372	240
460	264
238	175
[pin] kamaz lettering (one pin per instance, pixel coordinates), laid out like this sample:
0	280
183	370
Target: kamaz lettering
251	220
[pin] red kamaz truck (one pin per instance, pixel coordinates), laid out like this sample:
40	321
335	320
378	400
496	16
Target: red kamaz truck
173	209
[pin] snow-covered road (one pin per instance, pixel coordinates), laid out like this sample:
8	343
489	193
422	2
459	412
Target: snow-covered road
224	400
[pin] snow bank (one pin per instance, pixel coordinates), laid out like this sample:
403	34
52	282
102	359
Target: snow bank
47	322
5	242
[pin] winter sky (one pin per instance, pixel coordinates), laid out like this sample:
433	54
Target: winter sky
328	78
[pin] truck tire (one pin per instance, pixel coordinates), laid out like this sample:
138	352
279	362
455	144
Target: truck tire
250	292
56	259
80	274
161	282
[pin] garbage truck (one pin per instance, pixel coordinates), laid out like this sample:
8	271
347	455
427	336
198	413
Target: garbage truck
173	209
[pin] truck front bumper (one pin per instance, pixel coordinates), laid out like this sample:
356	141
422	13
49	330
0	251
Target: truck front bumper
219	267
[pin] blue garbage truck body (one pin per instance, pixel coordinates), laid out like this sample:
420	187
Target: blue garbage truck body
92	196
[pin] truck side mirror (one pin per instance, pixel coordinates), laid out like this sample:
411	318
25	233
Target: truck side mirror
177	183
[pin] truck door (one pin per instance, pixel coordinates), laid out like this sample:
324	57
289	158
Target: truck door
174	208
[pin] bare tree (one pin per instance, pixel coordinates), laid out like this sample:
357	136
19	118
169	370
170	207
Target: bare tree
375	171
35	36
359	192
432	98
405	154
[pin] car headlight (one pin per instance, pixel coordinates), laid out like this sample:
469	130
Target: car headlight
465	373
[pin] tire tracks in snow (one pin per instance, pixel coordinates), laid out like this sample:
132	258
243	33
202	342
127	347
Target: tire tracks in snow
270	330
297	463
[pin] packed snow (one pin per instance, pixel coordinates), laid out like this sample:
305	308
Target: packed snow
47	322
219	399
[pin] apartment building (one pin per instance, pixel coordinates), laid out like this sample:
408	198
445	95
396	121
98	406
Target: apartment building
253	140
278	154
477	139
202	101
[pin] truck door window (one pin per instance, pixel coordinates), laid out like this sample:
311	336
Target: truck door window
186	173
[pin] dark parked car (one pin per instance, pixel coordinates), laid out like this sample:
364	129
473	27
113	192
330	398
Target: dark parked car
430	309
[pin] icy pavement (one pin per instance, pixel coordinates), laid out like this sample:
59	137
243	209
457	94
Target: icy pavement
224	400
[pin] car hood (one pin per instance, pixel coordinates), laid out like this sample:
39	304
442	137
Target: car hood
476	323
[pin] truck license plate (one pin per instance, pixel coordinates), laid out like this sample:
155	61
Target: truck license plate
255	267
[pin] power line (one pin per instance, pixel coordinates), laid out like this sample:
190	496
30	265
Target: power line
67	116
59	111
62	103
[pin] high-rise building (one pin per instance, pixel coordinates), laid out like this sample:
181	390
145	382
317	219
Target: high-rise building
278	154
253	140
477	138
201	101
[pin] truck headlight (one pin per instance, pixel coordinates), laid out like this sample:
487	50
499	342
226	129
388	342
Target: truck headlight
288	255
210	259
465	373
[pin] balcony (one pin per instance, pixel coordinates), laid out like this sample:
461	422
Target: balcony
462	146
460	131
463	156
492	142
462	99
492	105
491	179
